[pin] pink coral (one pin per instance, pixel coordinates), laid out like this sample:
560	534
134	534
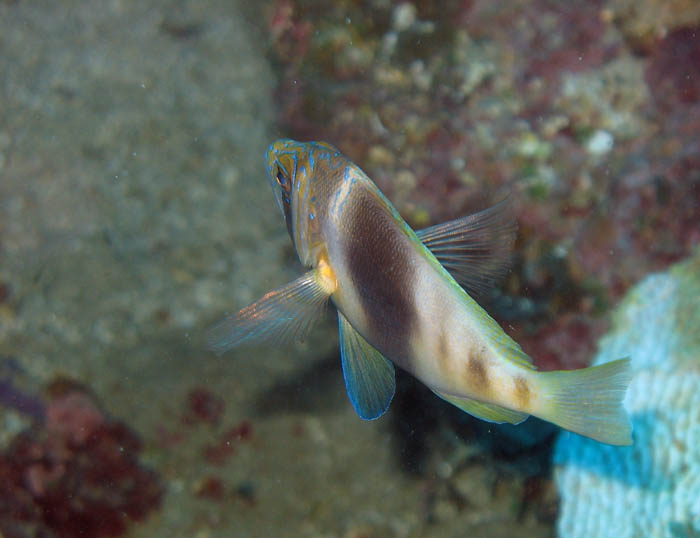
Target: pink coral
78	475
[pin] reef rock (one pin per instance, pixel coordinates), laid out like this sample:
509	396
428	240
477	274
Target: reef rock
651	488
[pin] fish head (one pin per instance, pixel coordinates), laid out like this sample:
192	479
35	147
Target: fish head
298	173
281	173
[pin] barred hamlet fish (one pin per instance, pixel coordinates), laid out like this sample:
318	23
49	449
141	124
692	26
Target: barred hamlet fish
402	299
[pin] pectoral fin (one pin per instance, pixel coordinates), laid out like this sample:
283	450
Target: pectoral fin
284	314
475	249
369	377
485	411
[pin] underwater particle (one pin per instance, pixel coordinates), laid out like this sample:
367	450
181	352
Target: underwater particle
651	487
225	447
219	453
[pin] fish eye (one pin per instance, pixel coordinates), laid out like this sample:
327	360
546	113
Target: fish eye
282	180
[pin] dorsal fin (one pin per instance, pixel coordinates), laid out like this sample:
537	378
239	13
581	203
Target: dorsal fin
475	249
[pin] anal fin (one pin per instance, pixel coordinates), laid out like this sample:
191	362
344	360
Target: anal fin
485	411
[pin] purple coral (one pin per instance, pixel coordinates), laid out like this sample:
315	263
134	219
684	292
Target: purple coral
74	474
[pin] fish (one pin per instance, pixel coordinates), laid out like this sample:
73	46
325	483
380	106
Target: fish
405	298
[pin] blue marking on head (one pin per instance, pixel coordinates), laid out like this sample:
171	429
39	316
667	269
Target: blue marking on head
335	199
337	203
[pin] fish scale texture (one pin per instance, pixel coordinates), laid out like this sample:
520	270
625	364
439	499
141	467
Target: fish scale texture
652	488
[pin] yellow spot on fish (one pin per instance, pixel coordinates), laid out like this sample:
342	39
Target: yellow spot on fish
326	276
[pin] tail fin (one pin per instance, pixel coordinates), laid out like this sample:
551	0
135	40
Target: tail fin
589	401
